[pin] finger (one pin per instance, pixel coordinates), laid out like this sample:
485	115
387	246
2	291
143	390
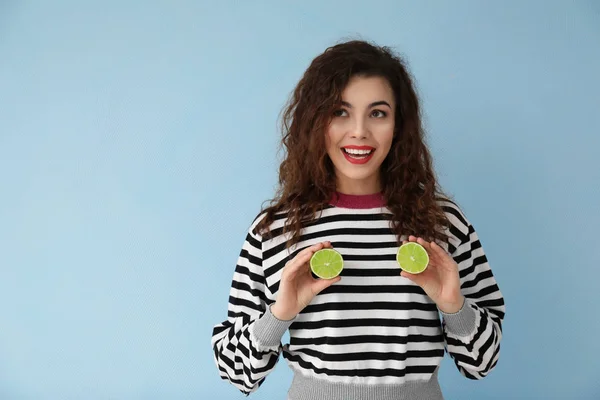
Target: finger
412	238
436	248
314	248
307	252
298	263
302	258
295	267
422	241
321	284
442	255
425	244
419	279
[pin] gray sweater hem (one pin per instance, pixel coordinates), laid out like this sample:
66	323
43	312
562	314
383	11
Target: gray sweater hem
310	388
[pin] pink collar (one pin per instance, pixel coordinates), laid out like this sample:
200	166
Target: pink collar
357	201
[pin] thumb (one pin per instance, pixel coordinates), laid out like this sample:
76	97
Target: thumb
416	278
322	284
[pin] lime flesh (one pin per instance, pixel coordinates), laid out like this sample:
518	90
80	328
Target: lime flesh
326	263
412	257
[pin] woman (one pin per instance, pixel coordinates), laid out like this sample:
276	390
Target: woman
358	177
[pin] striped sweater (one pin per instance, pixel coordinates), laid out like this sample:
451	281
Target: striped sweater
374	334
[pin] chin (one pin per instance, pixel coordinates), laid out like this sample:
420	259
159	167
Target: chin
360	176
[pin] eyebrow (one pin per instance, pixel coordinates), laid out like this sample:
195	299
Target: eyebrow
374	104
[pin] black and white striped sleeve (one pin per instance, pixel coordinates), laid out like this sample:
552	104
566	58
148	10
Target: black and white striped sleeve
247	345
473	334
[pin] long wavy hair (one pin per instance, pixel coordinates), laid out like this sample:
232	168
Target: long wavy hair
306	174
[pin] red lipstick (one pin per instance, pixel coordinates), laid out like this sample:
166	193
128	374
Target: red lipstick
356	158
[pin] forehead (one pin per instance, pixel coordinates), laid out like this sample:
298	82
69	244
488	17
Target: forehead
362	89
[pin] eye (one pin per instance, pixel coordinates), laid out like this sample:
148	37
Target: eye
378	114
340	113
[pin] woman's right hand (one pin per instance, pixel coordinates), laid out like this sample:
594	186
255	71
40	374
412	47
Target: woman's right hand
297	287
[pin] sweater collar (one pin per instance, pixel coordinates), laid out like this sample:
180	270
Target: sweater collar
360	201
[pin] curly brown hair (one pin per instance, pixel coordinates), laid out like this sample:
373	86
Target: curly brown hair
306	174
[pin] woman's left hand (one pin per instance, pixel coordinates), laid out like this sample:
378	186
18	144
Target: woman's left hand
440	280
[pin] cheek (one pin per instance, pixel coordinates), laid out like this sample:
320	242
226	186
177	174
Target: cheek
333	137
385	137
389	140
329	144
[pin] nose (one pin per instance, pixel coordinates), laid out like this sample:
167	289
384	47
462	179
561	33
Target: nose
359	130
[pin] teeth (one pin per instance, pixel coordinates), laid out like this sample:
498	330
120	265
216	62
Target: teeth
358	152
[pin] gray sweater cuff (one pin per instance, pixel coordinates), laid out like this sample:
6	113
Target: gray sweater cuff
268	330
461	323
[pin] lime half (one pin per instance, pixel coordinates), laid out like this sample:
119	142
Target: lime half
326	263
412	257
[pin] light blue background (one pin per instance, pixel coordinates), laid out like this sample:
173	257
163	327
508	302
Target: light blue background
138	141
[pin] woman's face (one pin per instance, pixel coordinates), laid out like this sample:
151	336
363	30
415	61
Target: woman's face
360	134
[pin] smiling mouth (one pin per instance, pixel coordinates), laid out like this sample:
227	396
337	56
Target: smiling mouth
358	156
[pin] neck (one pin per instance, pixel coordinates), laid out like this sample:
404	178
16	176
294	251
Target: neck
358	188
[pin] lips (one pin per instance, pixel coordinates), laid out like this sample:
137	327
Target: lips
358	154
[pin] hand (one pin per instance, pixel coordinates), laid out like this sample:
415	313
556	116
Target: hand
440	280
297	286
